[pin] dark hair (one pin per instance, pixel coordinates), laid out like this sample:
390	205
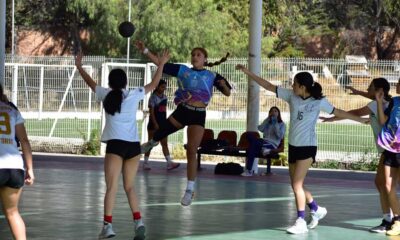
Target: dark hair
279	113
384	84
207	64
117	80
161	82
2	96
306	79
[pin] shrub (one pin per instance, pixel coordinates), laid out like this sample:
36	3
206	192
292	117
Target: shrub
178	151
92	147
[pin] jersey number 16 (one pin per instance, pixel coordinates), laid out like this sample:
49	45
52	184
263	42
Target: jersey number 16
300	115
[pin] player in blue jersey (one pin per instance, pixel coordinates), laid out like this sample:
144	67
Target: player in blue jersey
389	140
195	89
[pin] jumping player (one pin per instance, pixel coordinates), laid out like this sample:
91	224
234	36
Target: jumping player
195	89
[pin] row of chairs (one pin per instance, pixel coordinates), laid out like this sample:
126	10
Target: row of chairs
231	146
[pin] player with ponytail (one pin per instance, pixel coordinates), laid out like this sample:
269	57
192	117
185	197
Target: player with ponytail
305	102
195	89
121	135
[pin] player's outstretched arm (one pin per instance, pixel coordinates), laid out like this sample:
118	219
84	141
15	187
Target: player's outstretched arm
89	81
162	59
262	82
142	48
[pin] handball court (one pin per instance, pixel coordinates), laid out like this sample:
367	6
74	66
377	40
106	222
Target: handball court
66	202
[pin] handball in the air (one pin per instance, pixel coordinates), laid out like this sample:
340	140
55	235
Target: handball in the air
126	29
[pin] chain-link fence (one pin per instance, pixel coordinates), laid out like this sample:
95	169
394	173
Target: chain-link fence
60	109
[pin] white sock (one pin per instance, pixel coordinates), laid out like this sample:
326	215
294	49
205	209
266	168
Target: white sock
168	158
190	185
265	151
388	217
138	223
146	159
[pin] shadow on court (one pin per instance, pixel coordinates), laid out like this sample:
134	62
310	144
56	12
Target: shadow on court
66	202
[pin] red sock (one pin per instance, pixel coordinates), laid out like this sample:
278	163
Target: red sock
136	216
108	219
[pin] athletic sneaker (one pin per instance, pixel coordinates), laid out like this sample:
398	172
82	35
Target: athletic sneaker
172	165
385	226
394	230
247	173
145	147
140	233
265	151
187	198
316	216
299	227
107	231
146	167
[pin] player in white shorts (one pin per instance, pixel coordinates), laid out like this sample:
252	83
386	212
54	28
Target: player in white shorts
13	171
305	103
120	134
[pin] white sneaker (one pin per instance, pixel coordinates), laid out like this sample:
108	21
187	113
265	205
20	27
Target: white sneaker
107	232
382	228
146	167
147	146
247	173
140	231
265	151
187	198
316	216
299	227
172	165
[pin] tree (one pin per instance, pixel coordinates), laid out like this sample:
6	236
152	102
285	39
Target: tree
66	19
370	17
218	25
178	25
181	25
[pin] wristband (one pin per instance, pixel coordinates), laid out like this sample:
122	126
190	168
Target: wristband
146	51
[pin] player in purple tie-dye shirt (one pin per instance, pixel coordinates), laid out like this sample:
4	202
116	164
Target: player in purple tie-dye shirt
195	88
389	140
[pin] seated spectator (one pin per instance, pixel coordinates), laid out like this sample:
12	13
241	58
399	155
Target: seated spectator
273	129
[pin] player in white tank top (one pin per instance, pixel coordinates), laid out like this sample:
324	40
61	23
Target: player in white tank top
120	132
305	102
12	166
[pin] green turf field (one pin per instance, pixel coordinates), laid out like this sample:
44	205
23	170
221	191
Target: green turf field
331	137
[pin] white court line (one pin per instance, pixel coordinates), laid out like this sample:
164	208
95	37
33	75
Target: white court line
250	200
23	214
